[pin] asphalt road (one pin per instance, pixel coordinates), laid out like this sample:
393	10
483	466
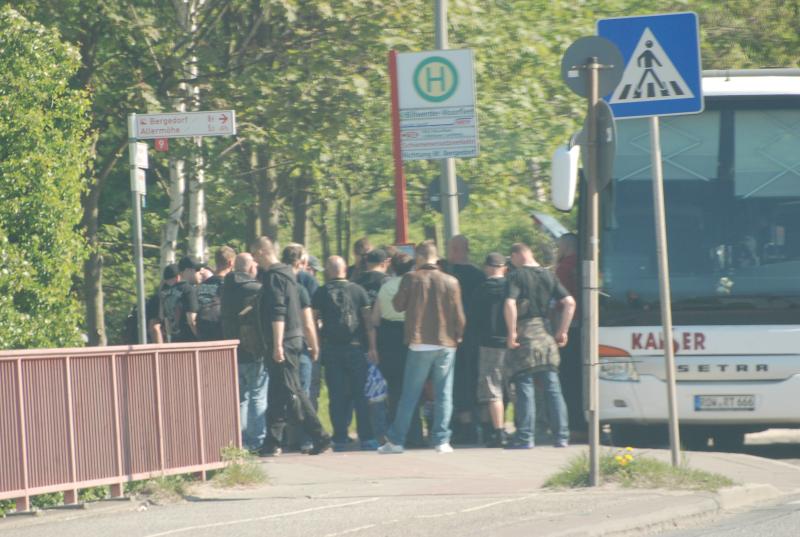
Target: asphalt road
782	520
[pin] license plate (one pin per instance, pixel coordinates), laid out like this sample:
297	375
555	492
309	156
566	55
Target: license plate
724	402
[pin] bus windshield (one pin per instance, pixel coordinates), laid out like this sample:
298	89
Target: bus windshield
732	191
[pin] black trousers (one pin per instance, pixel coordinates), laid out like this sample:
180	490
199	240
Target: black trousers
571	376
286	400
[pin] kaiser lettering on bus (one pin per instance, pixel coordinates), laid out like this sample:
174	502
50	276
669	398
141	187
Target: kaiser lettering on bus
686	341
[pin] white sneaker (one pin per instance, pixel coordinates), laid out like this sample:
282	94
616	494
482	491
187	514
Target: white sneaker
444	448
389	448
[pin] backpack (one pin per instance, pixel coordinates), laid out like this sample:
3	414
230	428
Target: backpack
209	323
171	311
251	336
341	318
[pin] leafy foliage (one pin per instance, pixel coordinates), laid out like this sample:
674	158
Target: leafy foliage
309	83
44	150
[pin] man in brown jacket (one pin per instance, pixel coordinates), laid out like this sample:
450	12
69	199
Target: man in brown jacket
434	326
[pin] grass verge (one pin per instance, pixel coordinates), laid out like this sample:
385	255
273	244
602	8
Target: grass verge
241	469
630	471
161	489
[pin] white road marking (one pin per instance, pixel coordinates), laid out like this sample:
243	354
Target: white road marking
486	506
258	519
351	530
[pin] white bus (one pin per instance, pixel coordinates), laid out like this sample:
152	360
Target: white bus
732	190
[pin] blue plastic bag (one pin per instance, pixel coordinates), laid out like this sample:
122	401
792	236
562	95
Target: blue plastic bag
375	388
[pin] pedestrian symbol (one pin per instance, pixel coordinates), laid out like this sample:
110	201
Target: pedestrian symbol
650	75
435	79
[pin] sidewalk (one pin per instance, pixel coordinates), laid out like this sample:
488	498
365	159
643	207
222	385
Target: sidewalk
470	492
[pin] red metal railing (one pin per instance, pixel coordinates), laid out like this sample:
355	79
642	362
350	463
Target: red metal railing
77	418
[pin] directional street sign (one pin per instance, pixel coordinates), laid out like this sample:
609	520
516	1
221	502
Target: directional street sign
185	124
436	93
662	65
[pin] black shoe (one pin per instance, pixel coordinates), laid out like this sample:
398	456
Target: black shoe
496	439
268	450
322	445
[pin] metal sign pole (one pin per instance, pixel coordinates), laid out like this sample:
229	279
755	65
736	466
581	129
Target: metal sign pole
448	166
664	290
400	202
136	198
590	279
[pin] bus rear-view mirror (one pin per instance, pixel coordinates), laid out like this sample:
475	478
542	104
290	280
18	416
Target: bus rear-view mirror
564	176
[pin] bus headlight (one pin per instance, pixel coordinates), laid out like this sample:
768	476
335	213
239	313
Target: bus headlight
619	369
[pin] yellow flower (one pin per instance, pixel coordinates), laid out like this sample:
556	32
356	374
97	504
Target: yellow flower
619	459
628	457
629	449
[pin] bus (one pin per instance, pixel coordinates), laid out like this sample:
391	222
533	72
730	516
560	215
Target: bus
732	195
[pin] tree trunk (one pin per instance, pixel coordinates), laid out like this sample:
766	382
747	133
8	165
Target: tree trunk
348	227
196	247
322	229
339	228
300	202
93	269
177	188
428	227
267	189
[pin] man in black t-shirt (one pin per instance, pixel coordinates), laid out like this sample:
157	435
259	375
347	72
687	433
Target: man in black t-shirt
343	307
489	324
209	292
178	306
534	353
282	328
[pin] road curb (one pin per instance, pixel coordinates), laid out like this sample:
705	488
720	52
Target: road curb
746	495
705	507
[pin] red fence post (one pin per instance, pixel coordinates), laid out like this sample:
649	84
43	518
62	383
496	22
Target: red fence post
23	503
199	406
118	489
70	495
159	413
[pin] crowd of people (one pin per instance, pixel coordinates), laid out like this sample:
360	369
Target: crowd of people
421	350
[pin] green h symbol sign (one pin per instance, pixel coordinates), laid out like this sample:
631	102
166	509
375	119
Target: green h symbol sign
430	79
435	79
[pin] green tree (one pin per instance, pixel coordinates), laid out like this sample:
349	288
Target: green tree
44	149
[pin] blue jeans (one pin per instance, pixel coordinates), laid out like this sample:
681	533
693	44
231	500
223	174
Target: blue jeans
525	406
346	375
253	383
420	365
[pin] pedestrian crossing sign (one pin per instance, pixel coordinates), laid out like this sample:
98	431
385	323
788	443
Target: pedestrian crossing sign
662	65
